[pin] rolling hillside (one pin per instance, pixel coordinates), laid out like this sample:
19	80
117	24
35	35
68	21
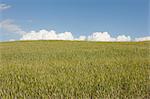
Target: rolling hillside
74	70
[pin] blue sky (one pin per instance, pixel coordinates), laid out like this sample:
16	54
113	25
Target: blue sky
81	17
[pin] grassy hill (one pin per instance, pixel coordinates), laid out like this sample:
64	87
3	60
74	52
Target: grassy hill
74	70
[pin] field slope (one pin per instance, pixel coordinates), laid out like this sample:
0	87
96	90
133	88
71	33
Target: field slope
74	70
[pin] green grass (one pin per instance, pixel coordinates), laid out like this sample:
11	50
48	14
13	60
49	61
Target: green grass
74	70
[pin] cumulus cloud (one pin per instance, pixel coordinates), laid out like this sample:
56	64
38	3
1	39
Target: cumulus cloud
52	35
123	38
81	38
147	38
10	26
96	36
4	6
100	36
105	36
47	35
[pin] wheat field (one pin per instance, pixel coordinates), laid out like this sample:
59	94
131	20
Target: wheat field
74	70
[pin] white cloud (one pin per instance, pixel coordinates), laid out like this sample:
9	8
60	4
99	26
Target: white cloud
81	38
123	38
4	6
105	36
8	25
52	35
65	36
100	36
47	35
147	38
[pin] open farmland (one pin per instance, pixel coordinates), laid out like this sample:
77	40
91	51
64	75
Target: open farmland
74	70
